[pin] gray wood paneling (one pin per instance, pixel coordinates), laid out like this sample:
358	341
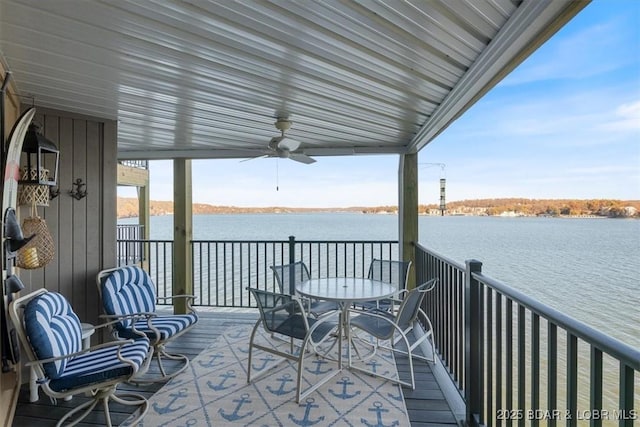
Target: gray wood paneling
83	230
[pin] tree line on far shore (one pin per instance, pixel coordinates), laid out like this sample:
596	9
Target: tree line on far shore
128	207
531	207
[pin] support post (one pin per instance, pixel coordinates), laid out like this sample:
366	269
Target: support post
292	271
473	381
182	232
408	211
144	207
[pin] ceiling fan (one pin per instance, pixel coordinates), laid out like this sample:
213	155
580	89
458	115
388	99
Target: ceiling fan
285	147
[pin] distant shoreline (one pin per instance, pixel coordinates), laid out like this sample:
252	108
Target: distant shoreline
514	207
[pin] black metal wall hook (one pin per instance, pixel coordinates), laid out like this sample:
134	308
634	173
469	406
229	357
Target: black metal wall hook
53	192
78	192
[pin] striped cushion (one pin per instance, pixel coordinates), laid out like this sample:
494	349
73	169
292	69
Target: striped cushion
168	326
53	329
128	290
100	365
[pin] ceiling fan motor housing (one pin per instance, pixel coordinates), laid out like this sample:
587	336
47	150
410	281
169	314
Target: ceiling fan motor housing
283	125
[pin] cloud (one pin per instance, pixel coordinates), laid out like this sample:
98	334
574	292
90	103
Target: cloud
624	118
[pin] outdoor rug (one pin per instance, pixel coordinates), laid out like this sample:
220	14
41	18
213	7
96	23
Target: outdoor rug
213	391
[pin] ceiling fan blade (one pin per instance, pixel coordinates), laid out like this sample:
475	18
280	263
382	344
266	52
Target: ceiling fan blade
253	158
302	158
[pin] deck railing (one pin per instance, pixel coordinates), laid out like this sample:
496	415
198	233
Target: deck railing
130	245
223	269
513	359
518	361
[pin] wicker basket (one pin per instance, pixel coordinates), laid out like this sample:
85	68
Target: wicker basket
28	194
41	249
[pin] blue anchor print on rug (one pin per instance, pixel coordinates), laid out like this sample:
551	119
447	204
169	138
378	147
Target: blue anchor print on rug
374	367
396	397
378	409
212	361
344	395
318	365
283	380
235	415
220	386
306	421
265	361
240	333
182	393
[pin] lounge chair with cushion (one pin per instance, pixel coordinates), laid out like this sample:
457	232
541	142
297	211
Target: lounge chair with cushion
129	291
51	336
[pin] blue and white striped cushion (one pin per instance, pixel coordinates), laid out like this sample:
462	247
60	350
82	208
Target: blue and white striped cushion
168	326
128	290
53	329
100	365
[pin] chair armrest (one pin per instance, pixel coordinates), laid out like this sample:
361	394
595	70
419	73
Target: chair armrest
119	343
189	298
193	297
328	314
286	307
119	317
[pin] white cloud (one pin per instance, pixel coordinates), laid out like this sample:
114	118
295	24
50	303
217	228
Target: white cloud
625	118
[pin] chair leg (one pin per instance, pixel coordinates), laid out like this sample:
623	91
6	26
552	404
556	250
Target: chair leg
159	354
103	396
163	354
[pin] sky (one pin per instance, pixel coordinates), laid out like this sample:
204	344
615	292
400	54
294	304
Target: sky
565	124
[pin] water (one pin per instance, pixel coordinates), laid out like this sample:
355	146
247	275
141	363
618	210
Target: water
587	268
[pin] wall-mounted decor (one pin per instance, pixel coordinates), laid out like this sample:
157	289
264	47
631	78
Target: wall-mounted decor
41	249
78	192
30	194
39	151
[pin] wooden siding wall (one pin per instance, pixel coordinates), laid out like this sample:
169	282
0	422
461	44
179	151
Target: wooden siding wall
84	230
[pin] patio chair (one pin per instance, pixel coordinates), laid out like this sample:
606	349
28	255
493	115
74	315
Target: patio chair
290	275
283	315
383	325
388	271
129	291
50	334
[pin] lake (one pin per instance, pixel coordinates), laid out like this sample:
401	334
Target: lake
588	268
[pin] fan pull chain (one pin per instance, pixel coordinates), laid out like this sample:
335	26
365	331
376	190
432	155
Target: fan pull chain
277	176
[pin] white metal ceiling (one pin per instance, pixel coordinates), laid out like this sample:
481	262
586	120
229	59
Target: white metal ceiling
208	78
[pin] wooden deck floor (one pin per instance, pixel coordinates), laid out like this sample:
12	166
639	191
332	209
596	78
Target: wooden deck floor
426	405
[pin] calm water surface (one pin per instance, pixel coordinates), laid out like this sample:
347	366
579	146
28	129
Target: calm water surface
587	268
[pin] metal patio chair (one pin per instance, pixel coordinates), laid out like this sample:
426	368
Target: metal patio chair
290	275
384	325
284	315
129	291
388	271
51	336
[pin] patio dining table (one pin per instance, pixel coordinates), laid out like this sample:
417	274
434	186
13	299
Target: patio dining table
345	291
